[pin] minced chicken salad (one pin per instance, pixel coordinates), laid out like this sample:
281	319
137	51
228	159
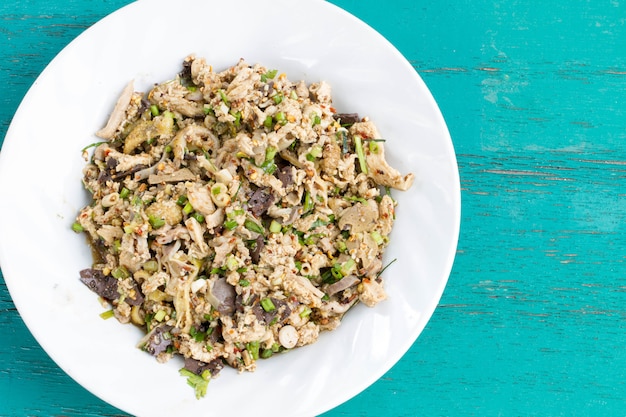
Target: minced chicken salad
235	215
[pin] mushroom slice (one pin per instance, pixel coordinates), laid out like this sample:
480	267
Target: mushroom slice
360	217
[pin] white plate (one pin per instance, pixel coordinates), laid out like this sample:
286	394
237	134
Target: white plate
40	181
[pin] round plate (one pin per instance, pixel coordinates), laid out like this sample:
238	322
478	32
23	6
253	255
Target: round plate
41	163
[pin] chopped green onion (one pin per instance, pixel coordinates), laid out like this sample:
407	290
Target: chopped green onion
137	201
311	239
160	315
335	271
267	305
281	118
223	96
151	266
253	349
92	145
268	167
300	237
270	153
155	221
167	149
230	224
199	383
374	146
268	75
107	314
386	266
124	193
358	146
231	262
154	110
266	353
275	227
197	335
316	152
77	227
340	270
120	272
378	238
218	271
347	267
207	110
315	119
321	222
253	226
306	311
278	98
182	200
237	116
199	217
308	203
192	88
268	122
244	282
356	199
188	208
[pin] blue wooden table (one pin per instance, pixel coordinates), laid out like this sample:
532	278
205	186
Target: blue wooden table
533	320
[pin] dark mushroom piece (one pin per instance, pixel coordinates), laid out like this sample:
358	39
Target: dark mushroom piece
347	119
278	314
158	340
96	281
198	367
257	248
260	201
224	296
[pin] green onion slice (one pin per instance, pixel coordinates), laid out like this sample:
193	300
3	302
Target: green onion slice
267	305
253	226
358	146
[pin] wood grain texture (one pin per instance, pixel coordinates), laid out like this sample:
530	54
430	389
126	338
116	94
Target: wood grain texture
532	322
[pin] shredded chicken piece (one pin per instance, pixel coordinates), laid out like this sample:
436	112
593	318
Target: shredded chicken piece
118	115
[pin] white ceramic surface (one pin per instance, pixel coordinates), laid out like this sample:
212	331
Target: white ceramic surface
40	184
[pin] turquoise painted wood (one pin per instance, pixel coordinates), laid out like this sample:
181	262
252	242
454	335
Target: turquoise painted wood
532	322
